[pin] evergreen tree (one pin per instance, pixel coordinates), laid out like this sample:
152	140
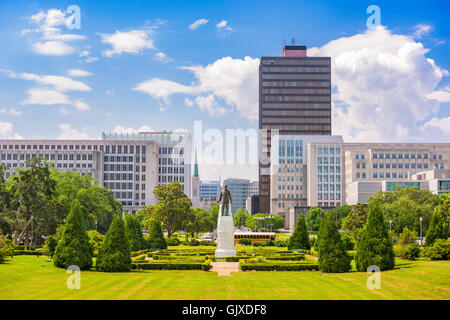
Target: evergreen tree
299	238
133	233
114	254
436	230
375	247
74	247
156	236
332	254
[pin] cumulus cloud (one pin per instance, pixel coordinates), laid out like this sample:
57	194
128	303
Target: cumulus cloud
68	133
52	41
161	56
421	30
442	95
134	41
383	81
78	73
198	23
57	82
209	104
45	97
223	25
122	130
11	111
233	80
7	131
188	102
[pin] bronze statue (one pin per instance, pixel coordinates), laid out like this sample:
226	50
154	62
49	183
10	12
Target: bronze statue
225	196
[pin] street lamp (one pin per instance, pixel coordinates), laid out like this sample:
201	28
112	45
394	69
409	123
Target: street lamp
390	225
421	239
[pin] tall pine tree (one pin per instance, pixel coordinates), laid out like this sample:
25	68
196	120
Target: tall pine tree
375	247
74	247
133	233
156	236
332	254
436	229
114	254
299	238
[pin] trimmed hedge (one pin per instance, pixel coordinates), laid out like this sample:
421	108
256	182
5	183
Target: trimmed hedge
171	265
138	253
245	266
26	253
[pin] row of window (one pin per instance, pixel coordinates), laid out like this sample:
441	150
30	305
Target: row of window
296	91
170	161
296	69
170	170
405	165
324	178
108	149
289	178
58	165
296	84
288	169
290	196
296	98
290	187
329	196
52	156
164	179
401	156
331	169
171	150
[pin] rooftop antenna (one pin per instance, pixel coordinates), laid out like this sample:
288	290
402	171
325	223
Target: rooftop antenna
293	41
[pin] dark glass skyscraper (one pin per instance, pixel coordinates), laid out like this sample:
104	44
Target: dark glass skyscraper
294	99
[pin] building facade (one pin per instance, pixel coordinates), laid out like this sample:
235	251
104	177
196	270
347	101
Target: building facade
129	165
294	99
239	193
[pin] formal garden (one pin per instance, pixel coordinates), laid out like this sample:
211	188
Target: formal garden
52	221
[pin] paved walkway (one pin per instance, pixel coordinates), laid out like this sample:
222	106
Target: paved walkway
225	268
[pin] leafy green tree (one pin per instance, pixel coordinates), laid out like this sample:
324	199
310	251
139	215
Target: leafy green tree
173	206
254	224
240	217
313	216
436	230
355	221
95	239
214	214
74	247
6	248
332	254
440	250
413	251
407	236
404	206
133	232
199	220
114	254
299	238
443	208
375	247
156	236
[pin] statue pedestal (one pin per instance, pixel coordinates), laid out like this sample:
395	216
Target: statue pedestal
225	237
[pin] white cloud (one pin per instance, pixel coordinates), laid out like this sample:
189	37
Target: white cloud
78	73
383	81
52	48
188	102
133	41
81	106
198	23
67	133
53	41
86	54
209	104
442	95
161	56
11	111
223	25
46	97
122	130
7	131
438	127
234	80
57	82
422	30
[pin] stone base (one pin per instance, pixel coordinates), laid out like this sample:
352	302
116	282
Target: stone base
225	237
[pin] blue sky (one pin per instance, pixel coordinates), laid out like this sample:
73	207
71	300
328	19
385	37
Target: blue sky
107	99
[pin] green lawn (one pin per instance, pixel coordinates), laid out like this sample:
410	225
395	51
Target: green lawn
29	277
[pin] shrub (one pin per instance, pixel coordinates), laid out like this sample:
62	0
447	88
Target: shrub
347	240
172	265
204	243
50	245
407	236
436	229
173	241
138	253
246	242
375	247
74	247
114	254
156	237
299	238
399	250
332	254
6	248
282	243
413	252
133	233
26	253
440	250
252	264
140	257
194	242
95	239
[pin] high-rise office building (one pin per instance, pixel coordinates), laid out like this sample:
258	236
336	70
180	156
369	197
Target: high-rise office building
239	193
294	99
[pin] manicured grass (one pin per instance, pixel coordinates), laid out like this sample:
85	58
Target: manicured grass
29	277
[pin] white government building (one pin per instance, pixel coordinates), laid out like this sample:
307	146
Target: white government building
131	165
